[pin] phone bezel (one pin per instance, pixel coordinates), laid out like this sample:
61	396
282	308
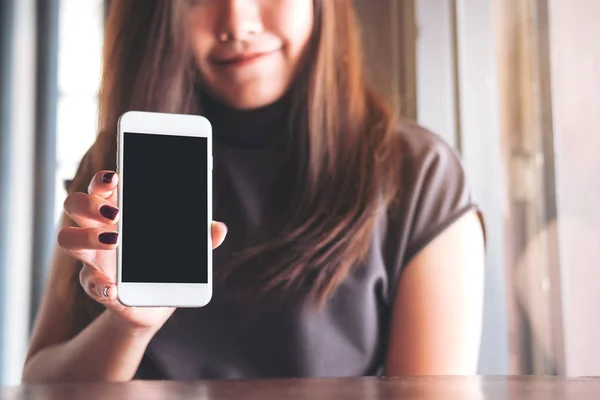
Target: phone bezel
141	294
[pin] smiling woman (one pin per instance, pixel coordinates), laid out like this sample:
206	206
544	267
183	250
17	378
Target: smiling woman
353	248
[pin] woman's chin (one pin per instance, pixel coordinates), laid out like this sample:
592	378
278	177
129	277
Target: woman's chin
251	99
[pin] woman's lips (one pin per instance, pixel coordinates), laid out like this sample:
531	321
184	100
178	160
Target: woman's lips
241	59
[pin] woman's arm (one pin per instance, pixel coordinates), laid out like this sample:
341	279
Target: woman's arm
437	314
104	351
107	350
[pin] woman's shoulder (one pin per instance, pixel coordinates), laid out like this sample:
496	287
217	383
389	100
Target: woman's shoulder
427	161
420	148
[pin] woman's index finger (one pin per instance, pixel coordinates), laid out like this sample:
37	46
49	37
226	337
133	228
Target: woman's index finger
104	184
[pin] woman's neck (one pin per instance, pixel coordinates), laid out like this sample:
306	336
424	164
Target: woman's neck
257	128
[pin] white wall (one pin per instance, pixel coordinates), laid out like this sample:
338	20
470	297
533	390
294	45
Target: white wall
575	62
435	59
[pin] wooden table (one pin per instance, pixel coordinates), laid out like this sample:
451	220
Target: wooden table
438	388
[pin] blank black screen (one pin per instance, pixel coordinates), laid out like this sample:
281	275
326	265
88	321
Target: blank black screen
164	216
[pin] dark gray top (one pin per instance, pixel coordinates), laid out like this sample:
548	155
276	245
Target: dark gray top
238	339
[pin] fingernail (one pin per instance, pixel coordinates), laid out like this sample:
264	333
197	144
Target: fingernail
105	292
107	177
108	237
224	227
109	212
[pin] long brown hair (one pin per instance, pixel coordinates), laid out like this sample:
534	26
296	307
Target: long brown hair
347	130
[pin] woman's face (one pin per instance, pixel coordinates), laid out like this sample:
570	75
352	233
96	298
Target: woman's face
248	51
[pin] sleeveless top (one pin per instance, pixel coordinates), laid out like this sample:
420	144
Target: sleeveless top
231	338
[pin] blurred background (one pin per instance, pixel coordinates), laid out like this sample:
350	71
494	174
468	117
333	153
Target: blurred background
513	85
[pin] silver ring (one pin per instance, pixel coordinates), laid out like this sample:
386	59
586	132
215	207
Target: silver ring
225	37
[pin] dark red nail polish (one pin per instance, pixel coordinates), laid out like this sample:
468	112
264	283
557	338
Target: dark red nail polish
108	237
109	212
107	177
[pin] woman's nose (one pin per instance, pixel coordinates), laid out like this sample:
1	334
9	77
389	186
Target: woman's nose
240	19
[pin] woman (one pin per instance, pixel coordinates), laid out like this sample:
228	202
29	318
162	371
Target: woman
353	246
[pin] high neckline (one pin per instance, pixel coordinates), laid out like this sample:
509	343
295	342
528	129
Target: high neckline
252	129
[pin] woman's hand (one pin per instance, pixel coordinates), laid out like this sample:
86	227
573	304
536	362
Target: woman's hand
94	243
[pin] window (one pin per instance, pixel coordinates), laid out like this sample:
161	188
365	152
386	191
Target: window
79	72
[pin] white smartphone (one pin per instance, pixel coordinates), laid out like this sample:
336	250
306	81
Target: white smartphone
164	257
